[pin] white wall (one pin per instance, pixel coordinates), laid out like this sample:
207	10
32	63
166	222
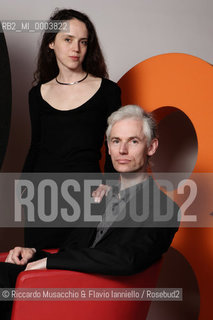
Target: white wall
129	32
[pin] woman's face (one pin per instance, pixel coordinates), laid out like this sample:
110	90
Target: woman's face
70	47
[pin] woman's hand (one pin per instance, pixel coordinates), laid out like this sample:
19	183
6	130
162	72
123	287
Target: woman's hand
100	192
20	255
37	265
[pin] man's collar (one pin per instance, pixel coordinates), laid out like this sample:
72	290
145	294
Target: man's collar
124	194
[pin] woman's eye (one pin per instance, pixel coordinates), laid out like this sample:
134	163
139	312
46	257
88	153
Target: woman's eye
84	42
67	39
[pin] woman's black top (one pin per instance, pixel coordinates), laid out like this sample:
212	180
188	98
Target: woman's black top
69	141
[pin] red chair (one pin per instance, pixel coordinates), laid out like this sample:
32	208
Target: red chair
81	310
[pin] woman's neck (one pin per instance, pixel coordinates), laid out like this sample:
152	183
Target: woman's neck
69	76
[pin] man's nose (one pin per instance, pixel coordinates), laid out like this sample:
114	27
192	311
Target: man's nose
123	148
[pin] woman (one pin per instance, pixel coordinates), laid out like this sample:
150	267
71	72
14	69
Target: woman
68	107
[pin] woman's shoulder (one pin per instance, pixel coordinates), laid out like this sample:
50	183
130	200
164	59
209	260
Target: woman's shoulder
104	84
35	89
44	84
110	85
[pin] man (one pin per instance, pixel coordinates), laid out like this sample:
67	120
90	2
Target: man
134	236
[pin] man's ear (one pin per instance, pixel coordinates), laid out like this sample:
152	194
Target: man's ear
153	147
108	148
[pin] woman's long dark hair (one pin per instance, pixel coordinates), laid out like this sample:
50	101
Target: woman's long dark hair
93	63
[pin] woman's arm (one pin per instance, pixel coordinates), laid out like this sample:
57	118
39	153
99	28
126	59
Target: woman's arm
114	103
34	110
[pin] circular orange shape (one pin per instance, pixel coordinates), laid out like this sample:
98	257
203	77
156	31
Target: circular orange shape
183	82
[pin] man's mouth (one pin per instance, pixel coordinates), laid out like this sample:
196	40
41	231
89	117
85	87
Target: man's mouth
123	161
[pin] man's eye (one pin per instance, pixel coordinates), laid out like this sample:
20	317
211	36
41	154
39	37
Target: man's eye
134	141
115	141
67	39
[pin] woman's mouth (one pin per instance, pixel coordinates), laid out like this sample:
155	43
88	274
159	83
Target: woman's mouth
74	58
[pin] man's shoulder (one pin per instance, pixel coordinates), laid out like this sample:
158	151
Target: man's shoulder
155	207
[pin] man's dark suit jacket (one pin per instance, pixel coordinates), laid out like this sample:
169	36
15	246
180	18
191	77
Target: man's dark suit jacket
123	250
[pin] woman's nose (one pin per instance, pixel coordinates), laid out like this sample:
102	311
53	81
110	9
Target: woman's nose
75	46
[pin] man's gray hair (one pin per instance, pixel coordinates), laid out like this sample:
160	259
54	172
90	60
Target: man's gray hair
136	113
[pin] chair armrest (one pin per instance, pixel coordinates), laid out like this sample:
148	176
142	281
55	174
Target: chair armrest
52	278
81	310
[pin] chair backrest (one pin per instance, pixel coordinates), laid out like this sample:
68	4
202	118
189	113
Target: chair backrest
3	256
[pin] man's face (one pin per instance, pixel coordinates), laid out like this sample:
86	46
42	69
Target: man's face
128	146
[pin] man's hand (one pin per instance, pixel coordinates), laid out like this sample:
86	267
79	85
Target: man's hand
20	255
100	192
37	265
